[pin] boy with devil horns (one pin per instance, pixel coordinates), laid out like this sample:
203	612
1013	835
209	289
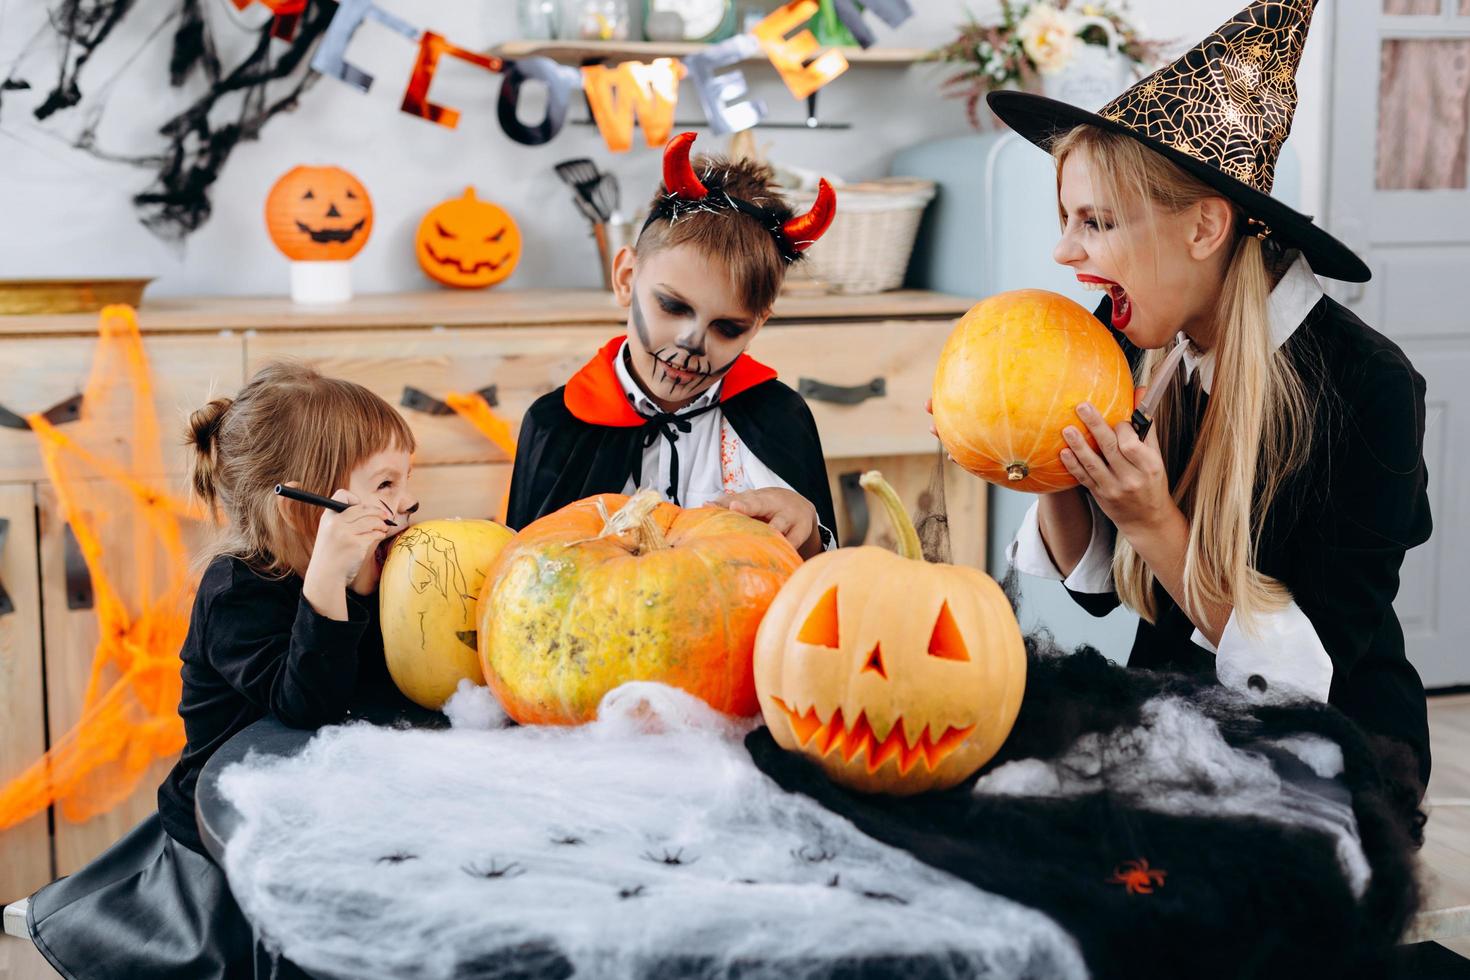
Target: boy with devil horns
677	404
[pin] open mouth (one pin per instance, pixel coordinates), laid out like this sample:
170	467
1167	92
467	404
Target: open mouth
836	735
1122	305
331	235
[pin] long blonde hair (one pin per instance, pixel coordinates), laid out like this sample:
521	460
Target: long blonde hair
288	424
1258	427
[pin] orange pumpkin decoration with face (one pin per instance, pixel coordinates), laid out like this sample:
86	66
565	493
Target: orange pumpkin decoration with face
319	214
467	242
894	674
1010	378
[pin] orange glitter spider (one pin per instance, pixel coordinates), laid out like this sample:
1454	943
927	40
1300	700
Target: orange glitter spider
1138	877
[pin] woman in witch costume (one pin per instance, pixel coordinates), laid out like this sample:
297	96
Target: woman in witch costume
677	404
1260	526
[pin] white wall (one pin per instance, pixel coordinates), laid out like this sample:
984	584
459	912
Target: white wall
64	213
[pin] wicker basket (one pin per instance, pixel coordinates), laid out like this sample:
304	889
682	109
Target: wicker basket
867	249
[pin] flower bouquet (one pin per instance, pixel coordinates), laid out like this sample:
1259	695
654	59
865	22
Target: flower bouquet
1037	41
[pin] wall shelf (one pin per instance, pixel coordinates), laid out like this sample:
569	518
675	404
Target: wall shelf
576	52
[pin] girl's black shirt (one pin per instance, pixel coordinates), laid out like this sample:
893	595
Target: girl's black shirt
1337	532
256	647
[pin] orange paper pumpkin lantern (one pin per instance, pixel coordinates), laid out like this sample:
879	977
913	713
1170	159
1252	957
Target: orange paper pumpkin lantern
894	674
1010	378
614	589
467	242
319	214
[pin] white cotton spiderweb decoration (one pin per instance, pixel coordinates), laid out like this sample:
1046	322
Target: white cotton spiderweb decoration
1178	762
474	707
644	844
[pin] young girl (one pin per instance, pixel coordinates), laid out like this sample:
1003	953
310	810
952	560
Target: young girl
284	624
1260	528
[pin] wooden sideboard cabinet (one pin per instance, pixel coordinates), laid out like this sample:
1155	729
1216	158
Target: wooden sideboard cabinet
864	363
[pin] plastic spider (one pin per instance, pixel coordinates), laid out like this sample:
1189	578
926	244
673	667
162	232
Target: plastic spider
1138	877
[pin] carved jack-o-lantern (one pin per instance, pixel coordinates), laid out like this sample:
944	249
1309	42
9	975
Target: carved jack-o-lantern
468	242
319	214
895	675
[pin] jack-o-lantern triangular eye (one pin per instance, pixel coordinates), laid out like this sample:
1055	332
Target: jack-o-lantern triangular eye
875	662
820	628
946	641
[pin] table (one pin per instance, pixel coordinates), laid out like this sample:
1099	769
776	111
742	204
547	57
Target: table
218	819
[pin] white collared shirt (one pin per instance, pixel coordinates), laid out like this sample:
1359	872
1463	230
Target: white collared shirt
1286	651
713	459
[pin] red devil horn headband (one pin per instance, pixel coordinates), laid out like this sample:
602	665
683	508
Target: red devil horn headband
803	230
680	180
799	231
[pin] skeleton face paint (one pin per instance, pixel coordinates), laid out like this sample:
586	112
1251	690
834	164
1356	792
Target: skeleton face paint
686	326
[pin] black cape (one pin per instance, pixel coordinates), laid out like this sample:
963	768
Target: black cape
563	456
1337	532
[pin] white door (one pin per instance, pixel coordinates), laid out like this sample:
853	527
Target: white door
1397	193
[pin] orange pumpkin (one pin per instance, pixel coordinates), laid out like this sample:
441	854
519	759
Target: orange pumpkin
467	242
1010	378
894	675
614	589
319	214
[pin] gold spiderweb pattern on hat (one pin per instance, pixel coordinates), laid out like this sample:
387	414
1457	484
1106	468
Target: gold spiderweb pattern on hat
1230	99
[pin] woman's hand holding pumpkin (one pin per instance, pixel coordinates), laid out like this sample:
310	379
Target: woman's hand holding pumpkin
1125	474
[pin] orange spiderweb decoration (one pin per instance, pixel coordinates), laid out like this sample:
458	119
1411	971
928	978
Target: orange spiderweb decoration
475	410
114	493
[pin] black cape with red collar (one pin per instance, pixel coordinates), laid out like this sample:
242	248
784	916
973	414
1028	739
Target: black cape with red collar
584	438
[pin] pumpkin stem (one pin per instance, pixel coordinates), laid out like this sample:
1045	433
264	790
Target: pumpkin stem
637	516
1017	472
908	539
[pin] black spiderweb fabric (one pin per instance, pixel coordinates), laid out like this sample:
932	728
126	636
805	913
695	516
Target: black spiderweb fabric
234	103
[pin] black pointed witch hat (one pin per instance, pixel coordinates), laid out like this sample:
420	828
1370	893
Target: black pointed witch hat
1221	112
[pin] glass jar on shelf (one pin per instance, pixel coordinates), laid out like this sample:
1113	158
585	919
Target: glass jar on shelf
689	20
595	20
539	20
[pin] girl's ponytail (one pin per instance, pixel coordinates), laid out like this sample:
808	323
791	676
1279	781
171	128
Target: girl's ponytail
204	426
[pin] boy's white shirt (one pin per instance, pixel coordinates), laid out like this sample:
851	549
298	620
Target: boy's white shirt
1286	652
713	460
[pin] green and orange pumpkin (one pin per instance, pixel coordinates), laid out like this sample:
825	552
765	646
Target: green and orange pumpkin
614	589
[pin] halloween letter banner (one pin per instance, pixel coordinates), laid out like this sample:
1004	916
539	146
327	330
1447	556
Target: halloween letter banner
618	95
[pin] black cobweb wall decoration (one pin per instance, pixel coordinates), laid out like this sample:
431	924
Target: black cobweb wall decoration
235	103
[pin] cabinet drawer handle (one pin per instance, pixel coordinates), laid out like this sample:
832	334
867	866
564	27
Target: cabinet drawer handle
855	502
78	578
422	401
59	414
6	606
838	395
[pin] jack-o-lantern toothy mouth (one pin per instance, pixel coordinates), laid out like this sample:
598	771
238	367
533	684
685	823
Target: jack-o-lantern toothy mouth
467	270
835	735
327	236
